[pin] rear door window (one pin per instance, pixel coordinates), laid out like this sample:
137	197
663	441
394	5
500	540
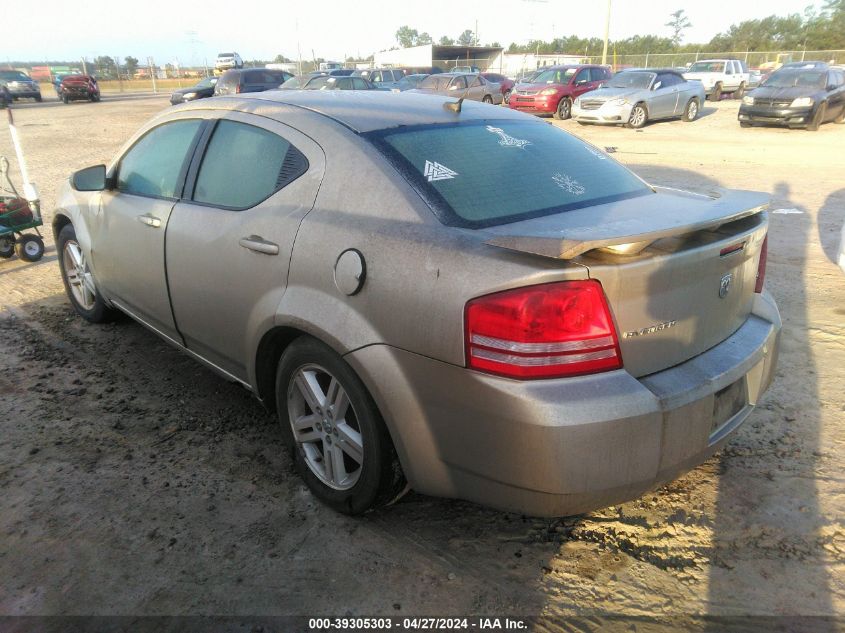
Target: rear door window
245	164
155	166
484	173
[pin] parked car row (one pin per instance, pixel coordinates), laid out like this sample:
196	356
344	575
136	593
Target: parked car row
797	95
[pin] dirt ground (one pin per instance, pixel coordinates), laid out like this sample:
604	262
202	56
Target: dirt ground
134	481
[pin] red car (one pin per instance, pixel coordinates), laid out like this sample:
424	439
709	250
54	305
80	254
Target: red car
75	87
554	89
504	82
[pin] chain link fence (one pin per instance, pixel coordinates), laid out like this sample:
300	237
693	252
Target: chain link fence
754	59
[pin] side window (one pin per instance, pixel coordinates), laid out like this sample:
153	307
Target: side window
244	164
344	83
476	81
252	77
153	167
582	77
459	82
358	84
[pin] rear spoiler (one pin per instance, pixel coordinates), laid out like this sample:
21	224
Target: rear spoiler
629	226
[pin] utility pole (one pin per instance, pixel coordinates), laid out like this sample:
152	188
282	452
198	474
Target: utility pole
117	67
151	65
84	67
606	35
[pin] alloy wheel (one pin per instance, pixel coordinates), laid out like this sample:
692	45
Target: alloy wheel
79	277
637	116
325	426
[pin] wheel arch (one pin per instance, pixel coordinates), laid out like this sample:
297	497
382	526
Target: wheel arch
60	220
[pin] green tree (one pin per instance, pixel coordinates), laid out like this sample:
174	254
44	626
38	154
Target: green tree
105	66
406	36
424	38
446	41
281	59
131	64
466	38
679	23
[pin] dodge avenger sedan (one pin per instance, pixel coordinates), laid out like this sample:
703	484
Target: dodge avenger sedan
452	297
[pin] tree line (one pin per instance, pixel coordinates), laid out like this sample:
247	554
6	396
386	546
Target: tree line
810	30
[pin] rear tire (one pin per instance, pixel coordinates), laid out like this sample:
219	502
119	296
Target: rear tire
310	376
38	98
65	99
30	248
487	99
744	124
507	97
740	92
564	109
691	111
95	310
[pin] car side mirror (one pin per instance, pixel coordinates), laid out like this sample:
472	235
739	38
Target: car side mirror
89	179
831	87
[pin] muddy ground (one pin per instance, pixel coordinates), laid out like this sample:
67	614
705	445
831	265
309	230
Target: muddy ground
133	481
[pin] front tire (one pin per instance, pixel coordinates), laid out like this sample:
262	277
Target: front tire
30	248
38	98
691	111
716	95
564	109
507	97
639	116
79	282
818	118
740	92
7	246
487	99
335	434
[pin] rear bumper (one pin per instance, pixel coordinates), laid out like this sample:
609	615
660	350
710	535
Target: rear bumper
561	447
775	116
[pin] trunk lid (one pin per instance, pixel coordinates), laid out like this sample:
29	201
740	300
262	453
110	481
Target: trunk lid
678	269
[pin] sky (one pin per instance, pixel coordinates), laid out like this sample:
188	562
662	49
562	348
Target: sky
192	33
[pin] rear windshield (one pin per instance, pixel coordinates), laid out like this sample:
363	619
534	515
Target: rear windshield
707	67
13	75
485	173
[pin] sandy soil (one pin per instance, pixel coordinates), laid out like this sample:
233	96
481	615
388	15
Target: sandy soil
133	481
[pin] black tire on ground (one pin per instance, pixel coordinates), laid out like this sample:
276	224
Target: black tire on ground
841	117
487	99
7	247
507	97
38	98
95	98
716	95
691	111
818	118
381	479
740	92
65	99
30	248
564	109
744	124
639	116
100	312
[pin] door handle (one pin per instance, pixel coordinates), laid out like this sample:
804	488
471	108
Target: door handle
259	245
149	220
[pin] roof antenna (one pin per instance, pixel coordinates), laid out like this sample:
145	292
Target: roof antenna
454	106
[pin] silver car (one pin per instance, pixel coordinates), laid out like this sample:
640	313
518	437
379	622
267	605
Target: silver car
469	302
635	97
467	85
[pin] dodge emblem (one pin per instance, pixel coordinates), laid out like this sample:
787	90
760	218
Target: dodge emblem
725	285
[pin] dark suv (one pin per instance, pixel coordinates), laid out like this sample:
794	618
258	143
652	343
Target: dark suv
241	80
554	89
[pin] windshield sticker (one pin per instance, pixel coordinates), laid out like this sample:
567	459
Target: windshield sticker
436	171
569	184
506	140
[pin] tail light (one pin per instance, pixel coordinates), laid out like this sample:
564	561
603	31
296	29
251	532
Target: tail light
543	331
761	267
238	89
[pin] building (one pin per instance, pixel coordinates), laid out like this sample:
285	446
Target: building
442	57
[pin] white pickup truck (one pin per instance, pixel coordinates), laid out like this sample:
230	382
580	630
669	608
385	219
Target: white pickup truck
720	76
